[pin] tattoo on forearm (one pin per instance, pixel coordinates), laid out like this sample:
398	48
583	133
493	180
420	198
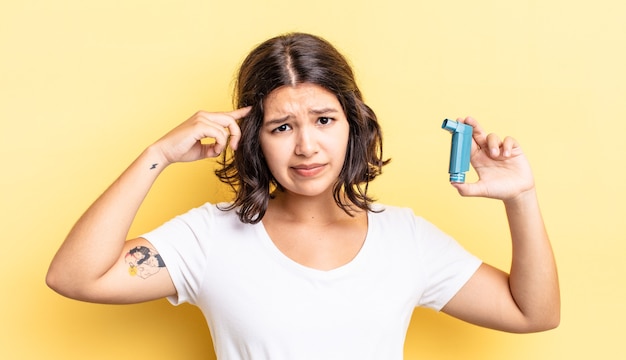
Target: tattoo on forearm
153	166
143	262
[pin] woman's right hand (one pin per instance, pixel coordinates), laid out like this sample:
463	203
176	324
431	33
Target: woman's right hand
184	143
91	263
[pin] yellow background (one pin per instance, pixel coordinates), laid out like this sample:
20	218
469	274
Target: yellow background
86	85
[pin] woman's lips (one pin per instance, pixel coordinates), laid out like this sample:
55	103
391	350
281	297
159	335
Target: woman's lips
308	170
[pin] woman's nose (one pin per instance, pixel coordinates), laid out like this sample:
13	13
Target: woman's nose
306	145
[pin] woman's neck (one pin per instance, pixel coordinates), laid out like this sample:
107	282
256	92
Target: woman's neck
307	209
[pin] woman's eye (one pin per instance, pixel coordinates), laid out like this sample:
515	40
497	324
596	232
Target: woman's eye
324	120
283	127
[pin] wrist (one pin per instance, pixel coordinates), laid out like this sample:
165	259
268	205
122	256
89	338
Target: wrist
522	200
153	158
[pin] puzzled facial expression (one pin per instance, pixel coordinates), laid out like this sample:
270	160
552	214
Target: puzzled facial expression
304	138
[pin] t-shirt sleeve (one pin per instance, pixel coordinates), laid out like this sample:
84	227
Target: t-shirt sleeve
446	264
182	243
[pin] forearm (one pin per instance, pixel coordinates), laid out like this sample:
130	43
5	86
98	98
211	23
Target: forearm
96	240
533	277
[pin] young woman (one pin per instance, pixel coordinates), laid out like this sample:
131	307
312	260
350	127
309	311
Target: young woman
302	264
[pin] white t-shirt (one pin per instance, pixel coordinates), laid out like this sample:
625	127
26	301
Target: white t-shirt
260	304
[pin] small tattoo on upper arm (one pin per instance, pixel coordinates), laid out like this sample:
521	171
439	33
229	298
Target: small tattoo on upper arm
143	262
153	166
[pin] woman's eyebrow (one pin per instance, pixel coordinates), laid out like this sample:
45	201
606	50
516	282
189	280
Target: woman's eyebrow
276	121
320	111
323	111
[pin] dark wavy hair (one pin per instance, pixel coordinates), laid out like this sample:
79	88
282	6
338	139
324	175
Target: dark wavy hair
288	60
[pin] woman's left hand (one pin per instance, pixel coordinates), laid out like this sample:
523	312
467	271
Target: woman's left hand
502	168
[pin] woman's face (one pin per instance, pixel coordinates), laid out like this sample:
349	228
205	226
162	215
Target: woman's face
304	137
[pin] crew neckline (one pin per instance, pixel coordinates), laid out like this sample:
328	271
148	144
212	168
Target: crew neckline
285	260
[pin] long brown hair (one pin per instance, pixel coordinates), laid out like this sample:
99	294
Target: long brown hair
289	60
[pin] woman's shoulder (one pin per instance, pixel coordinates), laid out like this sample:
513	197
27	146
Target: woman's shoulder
384	210
209	211
396	215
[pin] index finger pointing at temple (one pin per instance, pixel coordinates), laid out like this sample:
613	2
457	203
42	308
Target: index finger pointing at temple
233	128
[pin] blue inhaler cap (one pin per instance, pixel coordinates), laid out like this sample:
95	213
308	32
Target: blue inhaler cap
460	149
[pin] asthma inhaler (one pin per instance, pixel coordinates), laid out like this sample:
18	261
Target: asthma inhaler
460	150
